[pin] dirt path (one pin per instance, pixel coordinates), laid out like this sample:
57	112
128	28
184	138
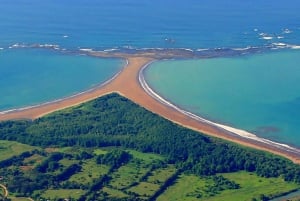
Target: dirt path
4	189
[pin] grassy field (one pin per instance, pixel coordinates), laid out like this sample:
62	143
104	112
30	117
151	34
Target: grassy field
90	170
141	177
114	193
67	162
127	175
159	176
34	159
63	193
9	149
184	186
144	189
188	187
99	151
253	186
131	173
146	157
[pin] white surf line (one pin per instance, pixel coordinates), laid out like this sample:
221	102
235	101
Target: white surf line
72	96
234	131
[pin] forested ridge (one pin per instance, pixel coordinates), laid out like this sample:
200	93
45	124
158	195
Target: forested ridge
113	120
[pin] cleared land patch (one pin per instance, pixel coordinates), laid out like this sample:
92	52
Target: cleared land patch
10	148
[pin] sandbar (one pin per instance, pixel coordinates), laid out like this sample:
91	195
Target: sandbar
130	83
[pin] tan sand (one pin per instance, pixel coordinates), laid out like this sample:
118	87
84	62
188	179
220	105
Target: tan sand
127	84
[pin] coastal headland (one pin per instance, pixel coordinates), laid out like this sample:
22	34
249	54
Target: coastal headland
131	84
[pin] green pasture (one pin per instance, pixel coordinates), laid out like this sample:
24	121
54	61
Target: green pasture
10	148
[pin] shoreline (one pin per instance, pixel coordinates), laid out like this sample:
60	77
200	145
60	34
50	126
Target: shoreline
55	101
232	130
130	83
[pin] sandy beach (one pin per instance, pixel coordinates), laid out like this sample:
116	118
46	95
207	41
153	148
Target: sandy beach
131	84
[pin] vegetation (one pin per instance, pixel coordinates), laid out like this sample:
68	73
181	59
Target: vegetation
115	158
144	176
9	149
63	193
251	187
90	171
142	157
188	187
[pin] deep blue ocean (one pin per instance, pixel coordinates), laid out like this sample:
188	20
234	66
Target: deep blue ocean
105	24
130	24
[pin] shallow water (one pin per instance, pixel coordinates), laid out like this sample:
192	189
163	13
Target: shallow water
258	93
31	77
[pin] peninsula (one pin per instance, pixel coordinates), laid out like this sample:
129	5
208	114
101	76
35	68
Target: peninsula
131	84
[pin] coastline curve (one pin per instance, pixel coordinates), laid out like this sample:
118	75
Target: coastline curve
130	83
230	131
56	101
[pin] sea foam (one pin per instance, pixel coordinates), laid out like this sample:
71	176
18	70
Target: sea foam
267	38
287	31
86	49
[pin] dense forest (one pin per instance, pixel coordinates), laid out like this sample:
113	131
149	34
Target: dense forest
113	120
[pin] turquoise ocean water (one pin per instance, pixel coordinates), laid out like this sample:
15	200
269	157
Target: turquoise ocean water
130	24
33	76
258	93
